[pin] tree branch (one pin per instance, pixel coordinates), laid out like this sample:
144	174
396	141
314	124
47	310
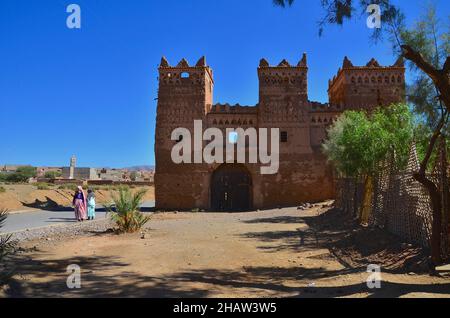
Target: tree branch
434	138
440	78
417	58
446	68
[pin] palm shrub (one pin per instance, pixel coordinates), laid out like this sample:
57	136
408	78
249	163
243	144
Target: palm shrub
7	248
125	210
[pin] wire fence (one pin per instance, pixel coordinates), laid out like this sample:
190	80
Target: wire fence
400	204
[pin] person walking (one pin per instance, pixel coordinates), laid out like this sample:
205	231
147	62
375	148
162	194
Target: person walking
91	205
80	204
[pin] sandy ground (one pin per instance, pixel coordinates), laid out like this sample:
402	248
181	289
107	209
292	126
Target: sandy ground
276	253
23	197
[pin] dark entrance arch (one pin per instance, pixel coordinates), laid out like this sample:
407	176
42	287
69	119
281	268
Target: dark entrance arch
231	188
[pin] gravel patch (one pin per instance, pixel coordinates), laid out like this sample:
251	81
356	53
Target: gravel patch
64	231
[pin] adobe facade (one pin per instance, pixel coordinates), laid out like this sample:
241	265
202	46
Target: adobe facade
186	94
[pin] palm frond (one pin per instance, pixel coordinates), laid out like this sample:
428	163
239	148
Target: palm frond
3	216
125	211
7	248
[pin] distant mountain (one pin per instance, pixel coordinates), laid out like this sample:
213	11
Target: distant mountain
141	168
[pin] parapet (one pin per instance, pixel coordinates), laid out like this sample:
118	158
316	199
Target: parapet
232	109
263	63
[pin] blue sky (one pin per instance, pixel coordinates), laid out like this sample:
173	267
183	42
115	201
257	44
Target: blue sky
91	92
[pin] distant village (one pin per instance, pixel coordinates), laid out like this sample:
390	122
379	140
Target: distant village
141	175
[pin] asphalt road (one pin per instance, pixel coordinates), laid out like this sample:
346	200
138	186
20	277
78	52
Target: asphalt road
41	218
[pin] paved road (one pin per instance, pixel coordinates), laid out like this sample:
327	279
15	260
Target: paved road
41	218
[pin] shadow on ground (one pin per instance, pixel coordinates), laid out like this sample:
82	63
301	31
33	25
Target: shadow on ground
352	245
257	281
329	230
48	204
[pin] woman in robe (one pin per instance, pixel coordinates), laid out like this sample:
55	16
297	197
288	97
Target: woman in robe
80	204
91	205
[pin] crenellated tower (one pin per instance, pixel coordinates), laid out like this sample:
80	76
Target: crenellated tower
283	89
366	87
283	103
185	94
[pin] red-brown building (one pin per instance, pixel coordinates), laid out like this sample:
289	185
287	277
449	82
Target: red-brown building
186	94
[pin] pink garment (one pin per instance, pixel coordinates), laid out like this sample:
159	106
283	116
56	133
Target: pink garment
80	206
80	210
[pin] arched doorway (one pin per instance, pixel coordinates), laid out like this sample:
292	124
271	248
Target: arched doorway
231	188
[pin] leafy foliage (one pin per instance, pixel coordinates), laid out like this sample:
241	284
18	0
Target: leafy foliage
338	11
42	186
125	211
52	174
358	142
133	176
7	248
22	174
283	3
428	37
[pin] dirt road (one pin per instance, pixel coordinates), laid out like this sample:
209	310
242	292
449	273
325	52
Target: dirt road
276	253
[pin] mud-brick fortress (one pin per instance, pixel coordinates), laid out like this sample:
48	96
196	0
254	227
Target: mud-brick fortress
186	94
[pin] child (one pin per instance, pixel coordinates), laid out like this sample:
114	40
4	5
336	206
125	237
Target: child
91	205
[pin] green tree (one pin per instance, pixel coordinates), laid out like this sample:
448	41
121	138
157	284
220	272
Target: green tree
52	174
22	174
427	49
133	175
358	142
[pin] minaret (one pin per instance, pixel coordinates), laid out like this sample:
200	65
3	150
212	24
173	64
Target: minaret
73	162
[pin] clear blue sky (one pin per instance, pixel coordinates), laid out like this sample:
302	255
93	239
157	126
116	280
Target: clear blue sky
91	92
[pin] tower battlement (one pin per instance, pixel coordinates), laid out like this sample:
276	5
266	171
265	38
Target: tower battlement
183	73
284	74
372	84
232	109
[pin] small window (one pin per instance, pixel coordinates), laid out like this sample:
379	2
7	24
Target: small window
284	136
184	75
